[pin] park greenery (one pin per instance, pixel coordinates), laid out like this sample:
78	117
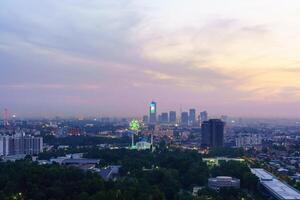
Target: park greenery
226	152
163	174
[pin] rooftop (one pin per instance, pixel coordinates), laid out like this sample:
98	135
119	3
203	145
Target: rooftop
262	174
81	161
223	179
279	189
282	190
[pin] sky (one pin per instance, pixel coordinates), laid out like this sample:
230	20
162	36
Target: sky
111	58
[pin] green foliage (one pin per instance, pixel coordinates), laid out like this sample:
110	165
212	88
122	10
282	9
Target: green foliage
188	164
226	152
165	174
223	194
46	155
146	175
238	170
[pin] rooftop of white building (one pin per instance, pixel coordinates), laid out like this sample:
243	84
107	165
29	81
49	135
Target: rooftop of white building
278	188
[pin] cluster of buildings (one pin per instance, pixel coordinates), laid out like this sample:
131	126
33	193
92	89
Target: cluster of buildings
21	144
110	172
248	140
211	131
189	118
286	166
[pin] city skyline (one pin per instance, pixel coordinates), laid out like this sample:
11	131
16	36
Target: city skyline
59	58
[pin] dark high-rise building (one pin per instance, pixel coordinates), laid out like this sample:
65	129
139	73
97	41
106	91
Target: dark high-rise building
164	117
212	133
184	118
172	117
203	116
152	113
192	116
145	119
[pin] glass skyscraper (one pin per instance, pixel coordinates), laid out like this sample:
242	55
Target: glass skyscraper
152	112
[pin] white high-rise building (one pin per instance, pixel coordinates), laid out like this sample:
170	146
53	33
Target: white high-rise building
4	145
29	145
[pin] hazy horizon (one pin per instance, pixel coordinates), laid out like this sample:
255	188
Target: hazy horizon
112	58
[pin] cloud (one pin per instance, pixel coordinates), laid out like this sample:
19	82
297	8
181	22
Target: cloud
158	75
66	54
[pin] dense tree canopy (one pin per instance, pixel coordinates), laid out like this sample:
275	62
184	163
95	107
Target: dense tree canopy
187	164
164	174
238	170
226	152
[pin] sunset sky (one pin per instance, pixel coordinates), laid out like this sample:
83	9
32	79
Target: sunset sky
112	57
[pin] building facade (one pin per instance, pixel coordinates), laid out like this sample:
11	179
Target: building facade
192	116
152	112
223	181
212	133
4	145
172	117
203	116
29	145
248	141
184	118
164	117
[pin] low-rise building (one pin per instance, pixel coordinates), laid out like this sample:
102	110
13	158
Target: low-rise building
223	181
110	173
276	188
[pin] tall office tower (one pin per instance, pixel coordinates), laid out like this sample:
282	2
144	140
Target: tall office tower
172	117
184	118
212	133
203	116
145	119
152	113
192	116
165	117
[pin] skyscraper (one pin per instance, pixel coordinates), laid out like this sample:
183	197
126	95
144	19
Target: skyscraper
184	118
159	119
192	116
164	117
145	119
172	117
212	133
152	113
203	116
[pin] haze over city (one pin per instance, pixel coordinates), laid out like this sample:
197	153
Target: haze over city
111	58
